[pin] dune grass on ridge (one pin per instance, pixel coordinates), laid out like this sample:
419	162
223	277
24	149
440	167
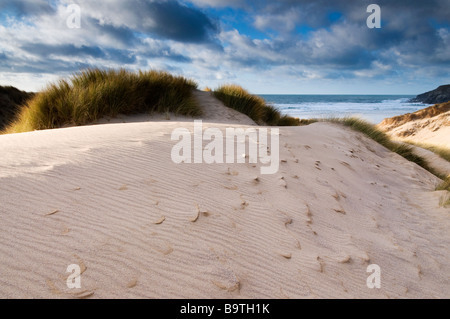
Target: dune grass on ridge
93	93
255	107
445	185
371	131
439	150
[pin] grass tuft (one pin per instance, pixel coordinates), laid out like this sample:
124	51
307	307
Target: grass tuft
445	185
94	93
255	107
286	120
439	150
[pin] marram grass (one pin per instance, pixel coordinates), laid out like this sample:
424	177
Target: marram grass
255	107
382	138
442	151
92	94
445	185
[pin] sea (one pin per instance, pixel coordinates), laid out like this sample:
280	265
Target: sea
373	108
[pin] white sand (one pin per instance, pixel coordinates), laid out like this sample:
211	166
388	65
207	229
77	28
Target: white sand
109	198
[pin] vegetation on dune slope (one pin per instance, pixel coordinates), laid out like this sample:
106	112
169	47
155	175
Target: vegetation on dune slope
445	185
92	94
10	101
255	107
382	138
442	151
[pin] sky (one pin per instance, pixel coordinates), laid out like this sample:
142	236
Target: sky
268	47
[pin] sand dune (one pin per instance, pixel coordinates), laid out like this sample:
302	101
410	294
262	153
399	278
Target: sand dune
430	125
109	199
214	111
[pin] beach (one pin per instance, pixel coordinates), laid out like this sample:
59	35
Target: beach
219	157
373	108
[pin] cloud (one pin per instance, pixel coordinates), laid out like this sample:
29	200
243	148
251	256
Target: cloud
116	36
337	38
230	39
219	3
177	22
166	19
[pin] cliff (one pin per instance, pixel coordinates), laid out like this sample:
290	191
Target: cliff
439	95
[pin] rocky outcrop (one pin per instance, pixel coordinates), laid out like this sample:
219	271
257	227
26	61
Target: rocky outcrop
439	95
10	100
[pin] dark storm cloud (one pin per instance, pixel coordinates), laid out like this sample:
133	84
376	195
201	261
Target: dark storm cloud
45	50
101	40
174	21
120	34
164	19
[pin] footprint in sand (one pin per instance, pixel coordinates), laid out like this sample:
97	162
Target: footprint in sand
197	214
317	165
60	287
160	220
81	264
282	182
345	260
53	212
244	203
231	188
232	173
308	215
65	231
339	210
287	221
162	246
336	196
200	212
83	294
285	255
53	289
347	165
321	264
132	283
419	271
226	279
